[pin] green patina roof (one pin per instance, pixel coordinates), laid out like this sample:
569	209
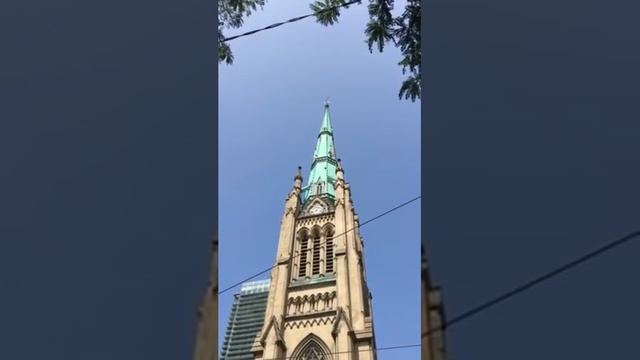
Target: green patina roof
323	168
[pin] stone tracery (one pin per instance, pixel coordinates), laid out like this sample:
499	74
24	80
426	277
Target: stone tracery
311	303
312	348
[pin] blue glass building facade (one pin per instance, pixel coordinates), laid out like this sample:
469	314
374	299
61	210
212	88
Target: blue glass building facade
245	321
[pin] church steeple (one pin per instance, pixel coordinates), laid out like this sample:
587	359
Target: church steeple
323	168
318	301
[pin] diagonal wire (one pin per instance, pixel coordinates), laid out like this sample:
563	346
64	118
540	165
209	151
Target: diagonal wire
344	233
532	283
290	20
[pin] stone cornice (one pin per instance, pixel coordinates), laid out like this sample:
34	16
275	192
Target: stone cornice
312	283
310	315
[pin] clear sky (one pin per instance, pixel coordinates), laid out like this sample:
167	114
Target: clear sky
270	110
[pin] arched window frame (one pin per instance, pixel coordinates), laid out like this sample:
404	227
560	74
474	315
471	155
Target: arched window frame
312	348
303	251
328	240
316	251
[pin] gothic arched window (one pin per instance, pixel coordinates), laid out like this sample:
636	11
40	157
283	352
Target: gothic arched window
312	353
315	252
312	348
328	267
304	245
315	269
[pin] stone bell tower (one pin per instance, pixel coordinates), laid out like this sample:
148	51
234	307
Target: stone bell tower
319	305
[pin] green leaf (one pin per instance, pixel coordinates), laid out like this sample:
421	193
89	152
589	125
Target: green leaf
403	31
326	13
410	88
225	54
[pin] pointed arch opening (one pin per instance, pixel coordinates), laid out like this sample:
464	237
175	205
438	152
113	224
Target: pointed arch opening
315	236
328	265
312	348
304	246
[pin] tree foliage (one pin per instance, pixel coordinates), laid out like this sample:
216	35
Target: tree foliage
402	31
231	14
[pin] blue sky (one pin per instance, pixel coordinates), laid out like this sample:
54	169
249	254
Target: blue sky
270	109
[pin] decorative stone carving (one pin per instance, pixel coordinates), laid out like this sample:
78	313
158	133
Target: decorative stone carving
315	207
296	324
316	220
306	304
289	211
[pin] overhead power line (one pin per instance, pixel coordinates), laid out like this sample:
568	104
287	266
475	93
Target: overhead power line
291	20
323	242
503	297
495	301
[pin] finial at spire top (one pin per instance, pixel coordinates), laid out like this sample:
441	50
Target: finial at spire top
326	102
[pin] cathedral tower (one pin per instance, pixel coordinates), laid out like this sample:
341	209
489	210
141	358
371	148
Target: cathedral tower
319	305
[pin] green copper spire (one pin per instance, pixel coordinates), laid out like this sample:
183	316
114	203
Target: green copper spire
323	168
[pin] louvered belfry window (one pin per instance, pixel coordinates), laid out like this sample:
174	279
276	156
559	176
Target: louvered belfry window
316	254
329	253
304	243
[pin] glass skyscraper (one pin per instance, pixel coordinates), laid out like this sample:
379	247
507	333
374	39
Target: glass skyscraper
245	321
